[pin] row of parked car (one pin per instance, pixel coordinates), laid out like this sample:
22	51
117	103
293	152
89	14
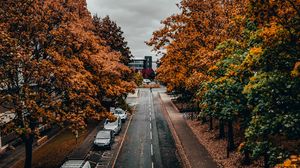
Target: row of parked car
104	138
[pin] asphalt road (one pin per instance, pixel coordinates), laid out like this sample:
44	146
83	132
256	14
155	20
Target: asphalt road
149	142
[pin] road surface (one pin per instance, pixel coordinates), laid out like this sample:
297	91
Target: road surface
149	142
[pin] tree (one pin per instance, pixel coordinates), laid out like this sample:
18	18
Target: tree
112	36
189	38
242	59
272	92
148	73
53	68
122	78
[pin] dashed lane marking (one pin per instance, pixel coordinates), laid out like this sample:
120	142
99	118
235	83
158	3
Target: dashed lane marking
151	150
151	135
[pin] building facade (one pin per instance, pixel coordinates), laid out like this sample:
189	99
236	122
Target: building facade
140	64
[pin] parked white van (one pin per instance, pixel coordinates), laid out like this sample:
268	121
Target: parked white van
114	126
76	164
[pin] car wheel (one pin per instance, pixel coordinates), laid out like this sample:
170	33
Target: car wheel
96	148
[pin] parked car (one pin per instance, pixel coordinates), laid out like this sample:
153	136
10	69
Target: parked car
121	113
146	81
115	126
76	164
104	139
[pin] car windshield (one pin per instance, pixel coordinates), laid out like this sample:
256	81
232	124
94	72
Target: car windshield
103	135
111	123
118	112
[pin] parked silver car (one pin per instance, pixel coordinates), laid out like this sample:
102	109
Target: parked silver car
121	113
104	139
115	126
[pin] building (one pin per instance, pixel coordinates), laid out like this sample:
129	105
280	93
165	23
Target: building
141	63
137	64
148	62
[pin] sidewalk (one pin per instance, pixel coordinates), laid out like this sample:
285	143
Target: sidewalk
81	152
195	153
134	95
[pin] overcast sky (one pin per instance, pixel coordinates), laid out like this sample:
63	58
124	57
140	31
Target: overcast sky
137	18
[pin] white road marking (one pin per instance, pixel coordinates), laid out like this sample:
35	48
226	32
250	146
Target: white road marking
150	118
150	126
151	150
151	135
152	165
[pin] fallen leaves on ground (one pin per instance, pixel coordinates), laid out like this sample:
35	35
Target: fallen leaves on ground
217	147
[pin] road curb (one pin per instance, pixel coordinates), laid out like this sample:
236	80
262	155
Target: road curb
179	146
121	145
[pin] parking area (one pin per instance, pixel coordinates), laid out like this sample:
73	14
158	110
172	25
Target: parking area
104	158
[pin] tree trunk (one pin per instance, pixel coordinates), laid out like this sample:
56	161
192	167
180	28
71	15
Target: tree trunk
247	158
210	124
221	129
203	120
266	160
28	139
230	141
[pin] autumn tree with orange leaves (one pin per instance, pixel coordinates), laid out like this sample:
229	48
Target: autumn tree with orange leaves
53	68
189	38
240	61
112	36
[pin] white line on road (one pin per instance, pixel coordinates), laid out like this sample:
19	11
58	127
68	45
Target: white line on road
150	126
151	135
151	150
150	118
152	165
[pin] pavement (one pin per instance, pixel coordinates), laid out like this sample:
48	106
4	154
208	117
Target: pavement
194	154
82	151
11	157
133	95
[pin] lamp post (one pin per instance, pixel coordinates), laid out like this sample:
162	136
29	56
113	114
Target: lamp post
76	135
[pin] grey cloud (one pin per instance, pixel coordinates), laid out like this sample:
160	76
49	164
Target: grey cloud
137	18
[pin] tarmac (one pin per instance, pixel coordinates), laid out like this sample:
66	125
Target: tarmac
193	153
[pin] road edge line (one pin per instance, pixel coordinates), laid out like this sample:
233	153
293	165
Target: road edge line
179	146
121	145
